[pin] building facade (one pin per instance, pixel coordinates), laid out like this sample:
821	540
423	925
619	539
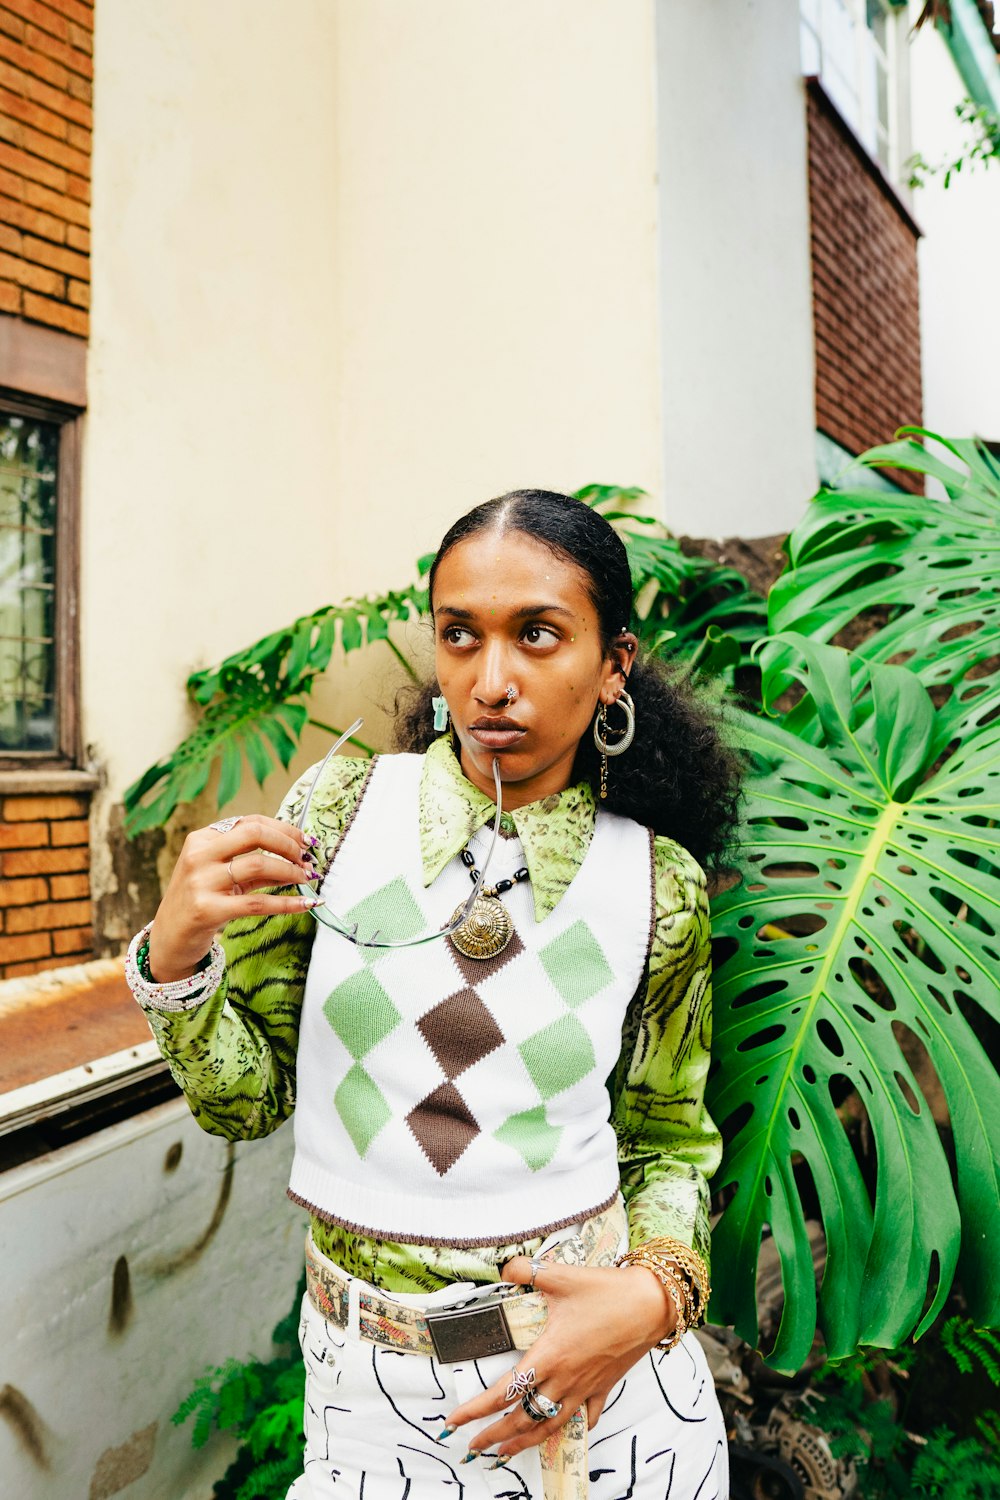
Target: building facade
283	289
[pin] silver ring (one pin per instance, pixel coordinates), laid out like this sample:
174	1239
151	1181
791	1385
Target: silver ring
540	1408
223	825
521	1381
536	1266
237	888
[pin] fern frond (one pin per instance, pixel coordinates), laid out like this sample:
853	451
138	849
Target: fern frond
950	1468
967	1344
270	1479
277	1426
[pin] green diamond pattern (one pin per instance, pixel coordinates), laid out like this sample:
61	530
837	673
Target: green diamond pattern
530	1134
558	1056
362	1107
575	964
360	1012
391	911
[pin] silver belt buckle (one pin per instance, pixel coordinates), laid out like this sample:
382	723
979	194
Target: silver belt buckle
469	1333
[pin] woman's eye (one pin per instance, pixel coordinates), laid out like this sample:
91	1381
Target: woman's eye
456	635
540	635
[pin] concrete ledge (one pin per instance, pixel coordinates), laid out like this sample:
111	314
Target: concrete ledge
65	1018
47	780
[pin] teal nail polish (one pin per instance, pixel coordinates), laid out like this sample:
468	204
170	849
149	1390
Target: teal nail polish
502	1461
469	1457
445	1432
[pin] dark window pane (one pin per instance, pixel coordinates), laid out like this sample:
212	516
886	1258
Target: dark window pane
28	458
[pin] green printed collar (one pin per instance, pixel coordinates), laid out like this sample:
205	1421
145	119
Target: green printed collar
555	833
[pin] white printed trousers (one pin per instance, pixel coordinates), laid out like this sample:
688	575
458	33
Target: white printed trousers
372	1417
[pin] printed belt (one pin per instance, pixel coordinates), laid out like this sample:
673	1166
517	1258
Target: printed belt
488	1325
474	1331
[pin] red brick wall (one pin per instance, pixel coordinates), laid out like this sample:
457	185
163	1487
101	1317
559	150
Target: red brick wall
45	914
866	301
46	72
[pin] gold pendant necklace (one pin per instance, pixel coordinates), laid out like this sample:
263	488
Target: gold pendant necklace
488	928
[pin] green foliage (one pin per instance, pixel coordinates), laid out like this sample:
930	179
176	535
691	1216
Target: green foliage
859	950
262	1402
982	148
864	1405
254	705
685	607
921	574
969	1346
955	1468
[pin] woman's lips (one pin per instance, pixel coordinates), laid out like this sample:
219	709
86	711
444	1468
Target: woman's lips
497	734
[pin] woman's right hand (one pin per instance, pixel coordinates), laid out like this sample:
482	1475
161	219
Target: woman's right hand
220	876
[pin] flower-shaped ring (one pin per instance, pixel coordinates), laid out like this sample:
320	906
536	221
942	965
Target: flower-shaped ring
521	1381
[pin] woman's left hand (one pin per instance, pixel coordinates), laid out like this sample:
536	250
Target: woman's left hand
601	1321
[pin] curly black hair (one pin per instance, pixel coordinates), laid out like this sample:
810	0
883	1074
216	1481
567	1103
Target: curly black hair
680	777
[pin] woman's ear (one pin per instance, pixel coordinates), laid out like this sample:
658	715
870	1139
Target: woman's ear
623	651
620	657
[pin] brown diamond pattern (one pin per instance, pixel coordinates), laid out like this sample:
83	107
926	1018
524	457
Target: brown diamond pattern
443	1127
460	1031
473	969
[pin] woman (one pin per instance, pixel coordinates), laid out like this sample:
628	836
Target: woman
471	1108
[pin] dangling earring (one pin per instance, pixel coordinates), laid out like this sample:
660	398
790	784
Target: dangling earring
623	737
441	715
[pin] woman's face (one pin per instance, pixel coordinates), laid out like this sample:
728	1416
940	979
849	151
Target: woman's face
509	613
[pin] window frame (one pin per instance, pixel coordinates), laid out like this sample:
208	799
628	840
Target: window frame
65	754
866	127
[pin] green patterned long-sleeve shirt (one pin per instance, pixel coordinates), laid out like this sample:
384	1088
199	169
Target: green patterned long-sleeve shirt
233	1054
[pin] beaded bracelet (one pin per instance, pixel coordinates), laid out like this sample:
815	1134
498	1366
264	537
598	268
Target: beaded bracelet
176	994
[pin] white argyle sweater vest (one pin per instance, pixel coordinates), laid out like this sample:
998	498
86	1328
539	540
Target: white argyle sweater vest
446	1100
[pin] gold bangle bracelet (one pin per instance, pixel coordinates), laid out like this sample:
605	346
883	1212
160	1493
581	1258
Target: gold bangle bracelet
688	1261
681	1263
676	1293
678	1287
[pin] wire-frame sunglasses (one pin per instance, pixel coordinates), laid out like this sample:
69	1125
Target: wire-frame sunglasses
325	914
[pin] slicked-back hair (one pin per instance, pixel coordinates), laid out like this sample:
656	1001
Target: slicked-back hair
679	777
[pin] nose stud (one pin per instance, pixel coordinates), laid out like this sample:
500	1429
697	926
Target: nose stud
511	693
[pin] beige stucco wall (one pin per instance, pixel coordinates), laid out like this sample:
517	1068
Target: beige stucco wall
211	377
357	266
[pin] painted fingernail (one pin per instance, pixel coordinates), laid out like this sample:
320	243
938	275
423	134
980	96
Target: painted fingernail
312	839
445	1432
501	1462
469	1457
308	902
312	874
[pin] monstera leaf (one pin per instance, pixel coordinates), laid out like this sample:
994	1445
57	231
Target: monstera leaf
858	956
253	705
690	609
924	572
